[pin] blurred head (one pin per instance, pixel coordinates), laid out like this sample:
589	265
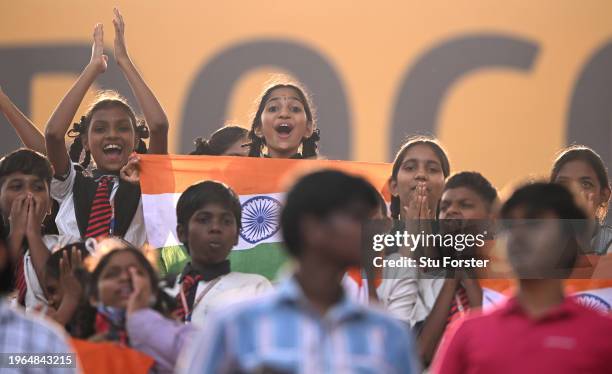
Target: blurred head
227	141
284	121
582	171
421	160
323	216
108	132
544	229
208	221
111	283
24	172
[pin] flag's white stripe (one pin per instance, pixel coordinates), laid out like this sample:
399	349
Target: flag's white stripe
160	219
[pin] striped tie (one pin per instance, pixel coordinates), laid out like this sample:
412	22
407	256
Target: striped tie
101	211
20	281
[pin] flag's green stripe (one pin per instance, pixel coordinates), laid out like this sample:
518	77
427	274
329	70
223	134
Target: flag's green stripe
264	259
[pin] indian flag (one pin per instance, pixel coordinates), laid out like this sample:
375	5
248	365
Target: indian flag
261	184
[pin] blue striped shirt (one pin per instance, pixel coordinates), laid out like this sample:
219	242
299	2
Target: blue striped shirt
281	333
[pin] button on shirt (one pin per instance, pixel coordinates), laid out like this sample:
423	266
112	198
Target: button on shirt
568	339
281	333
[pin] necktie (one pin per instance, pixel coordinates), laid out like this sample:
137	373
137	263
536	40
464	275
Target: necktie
189	286
20	281
99	223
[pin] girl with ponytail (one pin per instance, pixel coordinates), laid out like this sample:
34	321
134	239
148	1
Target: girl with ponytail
284	123
94	201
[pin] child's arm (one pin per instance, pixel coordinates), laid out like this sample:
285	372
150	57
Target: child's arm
38	249
18	220
153	112
26	130
436	321
55	131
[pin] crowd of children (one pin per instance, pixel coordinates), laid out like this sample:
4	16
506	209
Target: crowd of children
73	252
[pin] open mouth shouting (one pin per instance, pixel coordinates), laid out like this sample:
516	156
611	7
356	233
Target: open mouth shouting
113	151
284	130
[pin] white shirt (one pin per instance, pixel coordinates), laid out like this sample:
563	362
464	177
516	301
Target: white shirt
406	294
61	190
229	289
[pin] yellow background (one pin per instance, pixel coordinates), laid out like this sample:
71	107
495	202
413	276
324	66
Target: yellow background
505	124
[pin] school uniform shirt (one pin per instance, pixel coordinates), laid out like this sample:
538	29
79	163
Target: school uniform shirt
407	294
77	187
281	333
602	240
226	290
569	338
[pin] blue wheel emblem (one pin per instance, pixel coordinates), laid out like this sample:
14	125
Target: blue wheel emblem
593	302
260	216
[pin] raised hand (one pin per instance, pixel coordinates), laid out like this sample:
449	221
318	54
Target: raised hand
99	61
141	296
121	54
131	171
69	282
37	211
18	220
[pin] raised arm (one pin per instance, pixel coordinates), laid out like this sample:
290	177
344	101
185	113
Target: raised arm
62	117
153	112
29	134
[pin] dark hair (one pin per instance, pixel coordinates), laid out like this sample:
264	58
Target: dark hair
52	267
204	193
538	198
104	100
399	158
28	162
382	204
475	182
589	156
320	194
220	140
309	145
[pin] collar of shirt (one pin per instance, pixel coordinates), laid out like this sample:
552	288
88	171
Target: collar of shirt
290	292
564	310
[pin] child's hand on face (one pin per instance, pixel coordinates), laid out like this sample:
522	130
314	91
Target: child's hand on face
131	171
99	61
121	54
68	281
36	214
141	293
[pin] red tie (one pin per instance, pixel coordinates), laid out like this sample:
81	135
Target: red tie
20	282
189	285
101	211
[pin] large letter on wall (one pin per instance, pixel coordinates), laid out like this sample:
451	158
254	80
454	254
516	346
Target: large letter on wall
428	81
207	103
20	64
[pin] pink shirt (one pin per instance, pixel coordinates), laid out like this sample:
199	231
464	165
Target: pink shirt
568	339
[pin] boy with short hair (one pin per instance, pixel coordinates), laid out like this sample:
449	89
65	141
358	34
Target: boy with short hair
208	224
540	329
25	201
309	324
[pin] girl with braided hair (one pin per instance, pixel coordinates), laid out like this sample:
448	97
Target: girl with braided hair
99	203
284	124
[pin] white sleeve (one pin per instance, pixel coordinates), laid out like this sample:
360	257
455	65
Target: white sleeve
34	295
61	187
400	298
